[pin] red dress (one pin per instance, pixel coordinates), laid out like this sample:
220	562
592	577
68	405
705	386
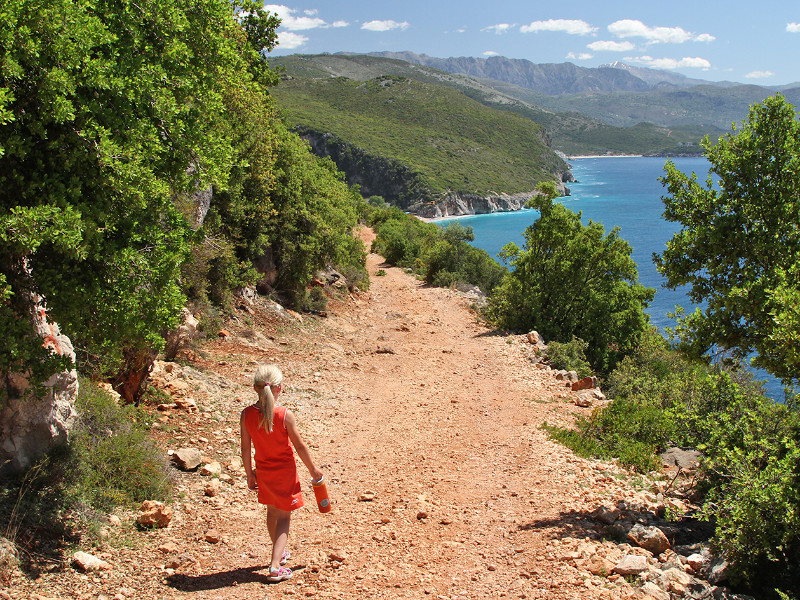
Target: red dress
276	471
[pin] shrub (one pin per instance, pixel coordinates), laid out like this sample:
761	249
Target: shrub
109	461
570	356
571	279
750	445
112	459
443	257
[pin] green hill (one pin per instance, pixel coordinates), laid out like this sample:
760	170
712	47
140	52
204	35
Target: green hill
571	132
453	142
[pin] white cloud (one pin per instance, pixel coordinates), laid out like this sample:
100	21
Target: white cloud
610	46
672	63
491	53
385	25
499	28
573	27
311	12
580	56
288	40
340	24
759	74
793	27
290	22
668	35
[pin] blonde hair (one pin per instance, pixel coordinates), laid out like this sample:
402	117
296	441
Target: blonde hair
266	376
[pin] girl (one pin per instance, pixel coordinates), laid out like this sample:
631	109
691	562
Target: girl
270	428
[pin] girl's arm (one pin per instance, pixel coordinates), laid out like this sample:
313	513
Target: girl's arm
300	446
247	459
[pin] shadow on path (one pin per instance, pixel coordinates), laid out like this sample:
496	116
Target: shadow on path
221	579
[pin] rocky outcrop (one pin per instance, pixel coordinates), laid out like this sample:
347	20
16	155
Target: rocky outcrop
32	422
457	204
401	186
398	184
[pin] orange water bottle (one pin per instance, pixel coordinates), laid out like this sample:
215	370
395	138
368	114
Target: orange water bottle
321	494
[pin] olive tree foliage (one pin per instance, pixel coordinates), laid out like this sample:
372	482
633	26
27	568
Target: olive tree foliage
109	112
738	249
573	280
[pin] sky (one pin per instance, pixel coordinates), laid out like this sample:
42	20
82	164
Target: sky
747	42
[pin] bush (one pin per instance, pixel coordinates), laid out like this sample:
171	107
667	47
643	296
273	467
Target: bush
571	279
570	356
109	461
112	459
750	446
443	257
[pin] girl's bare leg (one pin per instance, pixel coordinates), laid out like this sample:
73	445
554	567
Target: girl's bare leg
278	522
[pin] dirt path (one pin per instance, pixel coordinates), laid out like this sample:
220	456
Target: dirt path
427	426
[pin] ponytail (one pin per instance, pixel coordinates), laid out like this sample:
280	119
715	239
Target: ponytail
266	376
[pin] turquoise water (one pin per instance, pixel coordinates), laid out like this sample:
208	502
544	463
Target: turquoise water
619	192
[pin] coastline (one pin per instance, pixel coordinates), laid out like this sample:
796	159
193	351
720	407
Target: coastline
605	156
451	217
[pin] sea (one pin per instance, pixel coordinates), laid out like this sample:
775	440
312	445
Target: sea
622	192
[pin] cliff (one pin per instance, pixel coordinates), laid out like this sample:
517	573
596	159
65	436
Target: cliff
401	186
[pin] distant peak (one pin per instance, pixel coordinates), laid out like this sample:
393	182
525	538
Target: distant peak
616	65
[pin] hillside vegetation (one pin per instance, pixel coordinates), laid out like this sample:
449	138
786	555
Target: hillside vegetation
454	142
569	130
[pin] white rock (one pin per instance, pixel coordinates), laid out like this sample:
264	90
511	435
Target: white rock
675	581
631	564
212	468
88	562
696	562
651	539
652	590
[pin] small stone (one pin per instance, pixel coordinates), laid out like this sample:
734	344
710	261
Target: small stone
606	514
212	488
187	459
212	468
168	548
696	562
9	559
114	520
422	515
675	581
180	561
187	404
718	571
337	555
367	496
651	539
154	514
631	565
586	383
212	536
583	400
600	566
87	562
655	592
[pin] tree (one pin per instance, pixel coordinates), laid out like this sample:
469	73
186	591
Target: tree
571	280
109	113
739	246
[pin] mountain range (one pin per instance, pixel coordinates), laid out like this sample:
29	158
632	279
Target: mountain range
617	94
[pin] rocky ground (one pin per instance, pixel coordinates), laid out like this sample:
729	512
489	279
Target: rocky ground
427	426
